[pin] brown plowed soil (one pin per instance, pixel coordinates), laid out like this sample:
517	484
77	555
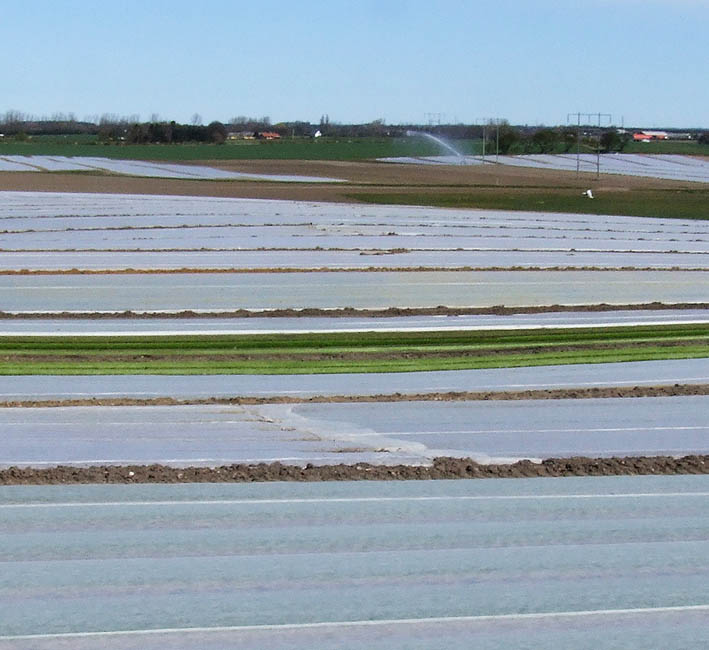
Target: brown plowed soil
345	312
457	396
442	468
362	177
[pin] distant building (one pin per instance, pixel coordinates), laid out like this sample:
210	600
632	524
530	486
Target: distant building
241	135
253	135
648	136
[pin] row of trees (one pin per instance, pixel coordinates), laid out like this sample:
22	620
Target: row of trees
498	135
163	133
505	138
15	122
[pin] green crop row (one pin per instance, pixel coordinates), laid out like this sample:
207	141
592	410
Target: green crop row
352	340
348	352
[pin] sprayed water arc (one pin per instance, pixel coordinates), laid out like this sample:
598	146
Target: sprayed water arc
440	142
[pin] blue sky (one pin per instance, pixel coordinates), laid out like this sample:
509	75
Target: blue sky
529	61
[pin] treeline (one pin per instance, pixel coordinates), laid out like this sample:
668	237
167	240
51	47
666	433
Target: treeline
16	123
111	128
507	139
498	136
162	133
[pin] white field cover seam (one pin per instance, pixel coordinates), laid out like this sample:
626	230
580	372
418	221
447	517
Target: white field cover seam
214	502
372	623
470	431
444	328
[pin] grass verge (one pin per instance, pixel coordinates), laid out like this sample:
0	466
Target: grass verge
669	204
348	352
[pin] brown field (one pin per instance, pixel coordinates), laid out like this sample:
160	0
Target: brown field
362	177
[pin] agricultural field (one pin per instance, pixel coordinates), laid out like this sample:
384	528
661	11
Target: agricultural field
349	352
109	285
673	167
298	148
299	357
664	203
89	165
538	185
346	149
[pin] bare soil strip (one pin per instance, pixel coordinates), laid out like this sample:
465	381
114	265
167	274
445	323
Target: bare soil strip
344	356
350	312
670	390
343	269
441	468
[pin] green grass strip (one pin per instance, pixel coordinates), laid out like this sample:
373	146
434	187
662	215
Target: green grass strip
343	149
308	368
352	340
670	204
348	352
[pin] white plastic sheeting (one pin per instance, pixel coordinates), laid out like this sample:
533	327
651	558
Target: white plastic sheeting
672	167
140	168
54	231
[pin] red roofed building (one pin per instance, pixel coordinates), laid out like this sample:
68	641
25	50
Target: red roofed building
647	136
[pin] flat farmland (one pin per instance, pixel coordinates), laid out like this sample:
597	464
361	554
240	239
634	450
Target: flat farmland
88	232
94	165
440	284
673	167
252	323
225	292
413	433
581	562
323	352
506	187
44	389
267	343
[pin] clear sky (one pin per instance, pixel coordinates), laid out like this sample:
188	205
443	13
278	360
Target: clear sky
530	61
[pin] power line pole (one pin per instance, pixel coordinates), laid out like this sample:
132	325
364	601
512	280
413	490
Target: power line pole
491	121
589	117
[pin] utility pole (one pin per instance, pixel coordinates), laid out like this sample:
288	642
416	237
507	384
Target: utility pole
589	117
491	121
